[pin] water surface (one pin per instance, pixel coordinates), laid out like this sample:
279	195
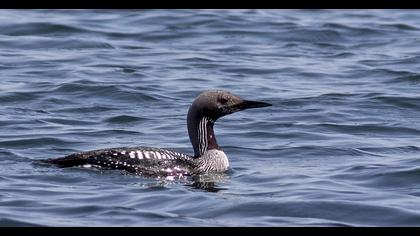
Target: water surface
339	147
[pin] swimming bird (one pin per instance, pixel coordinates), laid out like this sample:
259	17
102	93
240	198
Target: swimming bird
148	161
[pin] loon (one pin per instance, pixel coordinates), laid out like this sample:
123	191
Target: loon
148	161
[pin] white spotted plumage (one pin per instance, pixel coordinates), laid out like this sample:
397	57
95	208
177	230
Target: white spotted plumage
139	155
132	155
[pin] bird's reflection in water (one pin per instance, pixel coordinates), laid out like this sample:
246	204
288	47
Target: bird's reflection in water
209	182
206	182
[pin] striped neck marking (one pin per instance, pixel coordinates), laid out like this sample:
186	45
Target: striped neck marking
203	133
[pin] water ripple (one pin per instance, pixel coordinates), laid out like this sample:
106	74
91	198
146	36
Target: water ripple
40	28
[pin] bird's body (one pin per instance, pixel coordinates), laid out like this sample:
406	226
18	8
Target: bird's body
147	161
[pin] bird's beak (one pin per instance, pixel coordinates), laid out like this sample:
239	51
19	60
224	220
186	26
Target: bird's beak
246	104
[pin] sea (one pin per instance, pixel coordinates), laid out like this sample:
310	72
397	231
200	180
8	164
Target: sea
340	145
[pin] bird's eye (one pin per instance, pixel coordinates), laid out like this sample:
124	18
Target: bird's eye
223	100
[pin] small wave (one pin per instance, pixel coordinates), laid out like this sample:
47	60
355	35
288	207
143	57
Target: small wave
62	121
404	61
400	101
128	70
399	26
165	36
397	176
367	152
197	59
359	168
335	211
342	55
104	91
251	71
312	36
42	43
353	30
34	142
40	28
9	222
380	151
412	79
390	176
85	110
370	128
108	133
123	119
74	87
10	155
303	151
12	97
326	97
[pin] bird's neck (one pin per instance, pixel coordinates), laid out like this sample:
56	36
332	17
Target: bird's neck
200	130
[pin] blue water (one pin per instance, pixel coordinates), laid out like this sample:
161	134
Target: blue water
339	147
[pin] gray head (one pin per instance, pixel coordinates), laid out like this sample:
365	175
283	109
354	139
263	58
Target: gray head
217	103
211	105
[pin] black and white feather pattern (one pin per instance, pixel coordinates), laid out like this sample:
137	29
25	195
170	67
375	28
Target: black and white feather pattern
140	160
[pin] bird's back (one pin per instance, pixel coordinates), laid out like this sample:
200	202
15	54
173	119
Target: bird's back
140	160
